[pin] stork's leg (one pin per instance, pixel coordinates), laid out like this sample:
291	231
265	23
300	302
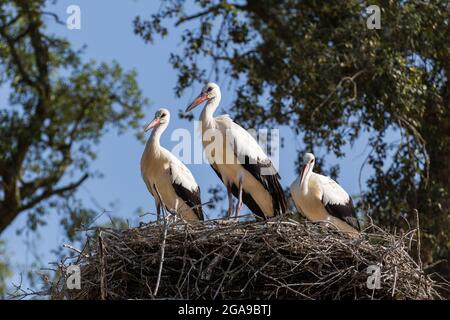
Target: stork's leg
230	201
158	202
172	217
239	204
158	211
174	212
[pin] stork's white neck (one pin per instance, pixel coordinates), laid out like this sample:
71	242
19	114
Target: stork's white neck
304	180
156	135
207	114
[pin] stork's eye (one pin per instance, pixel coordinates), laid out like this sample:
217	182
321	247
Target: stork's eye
209	89
163	115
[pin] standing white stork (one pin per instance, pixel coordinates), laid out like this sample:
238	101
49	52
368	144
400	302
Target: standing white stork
166	177
320	198
238	160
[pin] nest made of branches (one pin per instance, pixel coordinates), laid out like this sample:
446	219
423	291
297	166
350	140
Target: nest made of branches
275	259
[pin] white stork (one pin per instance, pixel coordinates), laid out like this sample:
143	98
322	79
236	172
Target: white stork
238	160
320	198
166	177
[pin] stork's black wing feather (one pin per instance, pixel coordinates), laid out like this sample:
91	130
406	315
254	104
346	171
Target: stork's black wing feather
270	181
190	197
345	212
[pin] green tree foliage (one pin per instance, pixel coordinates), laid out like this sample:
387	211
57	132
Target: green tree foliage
316	67
58	109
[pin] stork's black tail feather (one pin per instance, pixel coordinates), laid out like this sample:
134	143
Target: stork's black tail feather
266	174
279	201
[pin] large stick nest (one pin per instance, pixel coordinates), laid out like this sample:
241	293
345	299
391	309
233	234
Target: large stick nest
277	259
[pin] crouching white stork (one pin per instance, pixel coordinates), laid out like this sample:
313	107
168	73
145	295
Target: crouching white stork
238	160
320	198
166	177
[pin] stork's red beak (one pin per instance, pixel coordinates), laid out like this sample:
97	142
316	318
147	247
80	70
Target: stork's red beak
152	124
200	99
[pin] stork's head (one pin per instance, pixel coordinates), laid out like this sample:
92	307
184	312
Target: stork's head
209	92
308	165
308	158
162	116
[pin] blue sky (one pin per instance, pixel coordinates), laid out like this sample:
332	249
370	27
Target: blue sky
107	31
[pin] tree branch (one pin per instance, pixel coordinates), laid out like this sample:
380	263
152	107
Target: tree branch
16	59
8	213
54	16
197	15
53	192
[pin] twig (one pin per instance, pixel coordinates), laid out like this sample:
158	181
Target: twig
102	267
68	246
229	266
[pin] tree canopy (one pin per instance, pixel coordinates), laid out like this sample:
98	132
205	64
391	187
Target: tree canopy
59	107
316	67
